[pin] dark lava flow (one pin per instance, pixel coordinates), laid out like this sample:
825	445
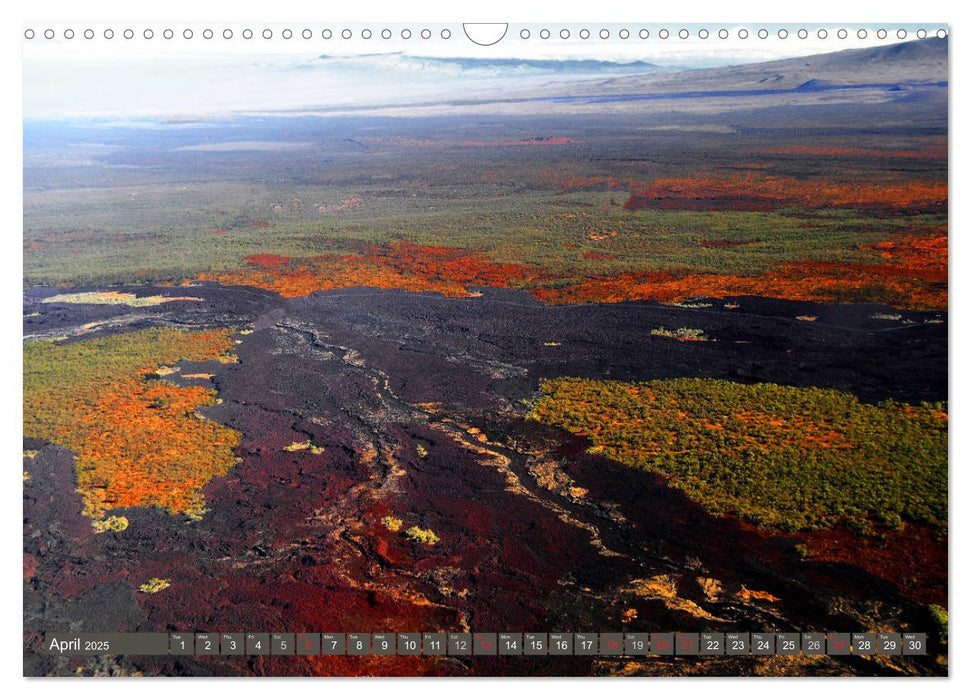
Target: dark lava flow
416	402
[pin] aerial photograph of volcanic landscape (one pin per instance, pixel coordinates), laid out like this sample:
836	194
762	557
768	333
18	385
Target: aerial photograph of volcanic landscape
410	342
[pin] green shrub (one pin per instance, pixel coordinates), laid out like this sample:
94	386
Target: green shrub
423	536
783	457
939	619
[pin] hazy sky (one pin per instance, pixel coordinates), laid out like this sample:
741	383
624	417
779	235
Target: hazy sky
199	77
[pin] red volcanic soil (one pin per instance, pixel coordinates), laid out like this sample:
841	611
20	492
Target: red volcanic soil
915	557
755	192
30	566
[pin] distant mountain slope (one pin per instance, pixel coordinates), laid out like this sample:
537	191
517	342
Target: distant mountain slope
479	67
922	61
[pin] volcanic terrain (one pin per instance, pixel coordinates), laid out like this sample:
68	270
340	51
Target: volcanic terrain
364	413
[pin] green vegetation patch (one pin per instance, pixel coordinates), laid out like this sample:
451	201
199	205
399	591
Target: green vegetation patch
685	334
113	523
154	585
170	235
113	298
392	523
139	441
783	457
302	446
424	536
940	622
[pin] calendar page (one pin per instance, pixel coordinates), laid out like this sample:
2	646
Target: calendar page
443	349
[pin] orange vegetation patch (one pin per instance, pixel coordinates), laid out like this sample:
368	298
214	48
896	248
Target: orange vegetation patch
138	440
122	473
756	192
265	260
915	256
914	276
909	272
800	430
399	265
